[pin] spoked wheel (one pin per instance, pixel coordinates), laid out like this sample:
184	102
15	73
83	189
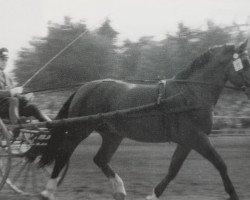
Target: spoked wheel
5	154
26	177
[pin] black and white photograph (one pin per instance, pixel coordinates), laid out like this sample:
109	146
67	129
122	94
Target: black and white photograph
124	100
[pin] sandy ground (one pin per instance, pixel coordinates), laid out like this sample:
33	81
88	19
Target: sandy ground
142	166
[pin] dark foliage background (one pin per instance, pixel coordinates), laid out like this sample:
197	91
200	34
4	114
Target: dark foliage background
97	55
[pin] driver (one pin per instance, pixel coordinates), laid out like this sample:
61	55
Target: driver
12	103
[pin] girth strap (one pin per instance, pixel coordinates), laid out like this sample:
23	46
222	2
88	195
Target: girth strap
161	95
161	90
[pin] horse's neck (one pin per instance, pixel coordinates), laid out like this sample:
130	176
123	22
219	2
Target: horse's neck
209	92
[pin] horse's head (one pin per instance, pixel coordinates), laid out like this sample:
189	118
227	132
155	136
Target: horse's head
239	68
226	62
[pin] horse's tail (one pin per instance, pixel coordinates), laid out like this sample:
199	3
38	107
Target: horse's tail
57	136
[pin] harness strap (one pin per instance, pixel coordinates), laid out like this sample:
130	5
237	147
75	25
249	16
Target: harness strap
54	89
161	90
162	95
209	84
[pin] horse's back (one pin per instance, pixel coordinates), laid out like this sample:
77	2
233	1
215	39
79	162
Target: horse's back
108	95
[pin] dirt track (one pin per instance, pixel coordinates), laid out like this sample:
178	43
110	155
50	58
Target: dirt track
142	166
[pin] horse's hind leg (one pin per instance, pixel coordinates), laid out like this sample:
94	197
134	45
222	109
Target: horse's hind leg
110	143
63	154
203	146
178	158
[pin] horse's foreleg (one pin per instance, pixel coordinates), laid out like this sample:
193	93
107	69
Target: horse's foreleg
203	146
178	158
109	146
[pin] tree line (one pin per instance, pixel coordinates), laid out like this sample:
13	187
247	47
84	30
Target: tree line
96	55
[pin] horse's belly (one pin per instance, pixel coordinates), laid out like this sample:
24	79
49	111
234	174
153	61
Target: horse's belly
144	129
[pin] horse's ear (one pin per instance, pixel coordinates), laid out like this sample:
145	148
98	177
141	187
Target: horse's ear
242	47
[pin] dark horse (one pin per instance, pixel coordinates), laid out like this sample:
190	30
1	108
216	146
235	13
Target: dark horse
186	119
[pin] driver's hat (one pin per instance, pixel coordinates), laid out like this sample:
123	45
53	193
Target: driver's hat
4	53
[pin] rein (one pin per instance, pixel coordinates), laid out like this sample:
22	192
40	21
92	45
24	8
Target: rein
55	89
161	82
209	84
53	58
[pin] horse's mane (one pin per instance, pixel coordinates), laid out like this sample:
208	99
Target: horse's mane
200	61
197	63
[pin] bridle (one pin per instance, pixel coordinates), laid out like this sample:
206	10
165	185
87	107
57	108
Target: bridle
237	65
239	68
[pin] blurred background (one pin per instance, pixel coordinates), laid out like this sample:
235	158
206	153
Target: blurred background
128	40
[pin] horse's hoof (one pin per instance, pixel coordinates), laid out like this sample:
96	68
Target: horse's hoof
233	197
151	197
43	196
119	196
46	198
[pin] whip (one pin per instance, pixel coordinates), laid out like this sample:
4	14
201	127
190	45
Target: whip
53	58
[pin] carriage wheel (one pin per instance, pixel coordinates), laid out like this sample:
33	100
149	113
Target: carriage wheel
26	177
5	154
